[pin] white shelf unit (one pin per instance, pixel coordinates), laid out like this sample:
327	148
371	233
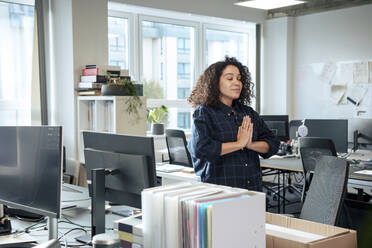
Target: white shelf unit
108	114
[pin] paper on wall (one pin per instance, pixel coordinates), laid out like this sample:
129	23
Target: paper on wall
370	71
357	93
360	73
344	74
337	93
328	72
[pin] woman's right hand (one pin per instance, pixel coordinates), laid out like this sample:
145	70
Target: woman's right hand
244	136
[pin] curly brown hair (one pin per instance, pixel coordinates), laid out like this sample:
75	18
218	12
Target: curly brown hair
207	88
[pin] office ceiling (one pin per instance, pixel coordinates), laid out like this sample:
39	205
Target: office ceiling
314	6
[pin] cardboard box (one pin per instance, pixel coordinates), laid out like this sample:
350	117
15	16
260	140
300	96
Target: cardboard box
306	234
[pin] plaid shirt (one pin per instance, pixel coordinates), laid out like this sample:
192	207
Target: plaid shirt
214	126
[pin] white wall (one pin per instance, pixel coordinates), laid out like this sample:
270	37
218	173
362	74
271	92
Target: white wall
61	89
79	37
277	61
340	35
216	8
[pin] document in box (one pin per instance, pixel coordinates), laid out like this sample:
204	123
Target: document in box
169	168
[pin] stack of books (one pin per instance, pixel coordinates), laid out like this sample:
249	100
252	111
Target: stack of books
92	78
90	81
130	231
199	215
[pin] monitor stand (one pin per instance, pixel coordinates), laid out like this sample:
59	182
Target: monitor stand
98	205
53	228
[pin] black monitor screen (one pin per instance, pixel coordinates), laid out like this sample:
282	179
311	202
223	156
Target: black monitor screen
334	129
278	124
132	156
31	168
364	128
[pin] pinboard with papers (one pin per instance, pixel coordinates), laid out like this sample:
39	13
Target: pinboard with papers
334	89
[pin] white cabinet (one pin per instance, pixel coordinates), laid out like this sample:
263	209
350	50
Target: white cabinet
108	114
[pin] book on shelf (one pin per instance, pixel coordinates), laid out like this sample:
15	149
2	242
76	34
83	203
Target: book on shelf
89	71
89	85
93	79
92	92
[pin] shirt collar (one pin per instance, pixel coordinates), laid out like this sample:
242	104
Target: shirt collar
226	109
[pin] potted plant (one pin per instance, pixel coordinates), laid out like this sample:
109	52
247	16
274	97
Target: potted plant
157	117
124	87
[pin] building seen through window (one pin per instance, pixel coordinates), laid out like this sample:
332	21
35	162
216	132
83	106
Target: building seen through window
168	58
16	53
168	55
118	42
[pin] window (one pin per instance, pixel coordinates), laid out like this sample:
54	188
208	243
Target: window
222	41
163	63
183	120
183	46
183	71
118	42
219	43
174	49
183	93
16	54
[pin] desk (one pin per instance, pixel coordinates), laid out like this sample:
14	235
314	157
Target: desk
360	182
79	215
175	177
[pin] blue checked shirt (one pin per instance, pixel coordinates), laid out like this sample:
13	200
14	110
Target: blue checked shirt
214	126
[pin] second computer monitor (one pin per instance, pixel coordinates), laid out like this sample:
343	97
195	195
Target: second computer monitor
278	124
334	129
133	158
31	168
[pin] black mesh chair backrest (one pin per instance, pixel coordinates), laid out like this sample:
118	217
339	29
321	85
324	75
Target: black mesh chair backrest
312	148
177	147
325	196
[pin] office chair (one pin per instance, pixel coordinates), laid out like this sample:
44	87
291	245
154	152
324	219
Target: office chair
325	197
311	150
177	147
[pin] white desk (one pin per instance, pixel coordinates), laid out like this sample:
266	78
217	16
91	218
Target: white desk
177	176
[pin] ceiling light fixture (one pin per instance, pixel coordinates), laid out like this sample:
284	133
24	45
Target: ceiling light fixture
268	4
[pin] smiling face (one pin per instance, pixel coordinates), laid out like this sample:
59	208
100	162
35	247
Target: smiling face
230	85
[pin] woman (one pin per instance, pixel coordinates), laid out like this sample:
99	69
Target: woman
228	135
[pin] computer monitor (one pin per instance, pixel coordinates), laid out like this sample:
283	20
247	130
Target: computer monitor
132	156
334	129
360	133
31	168
278	124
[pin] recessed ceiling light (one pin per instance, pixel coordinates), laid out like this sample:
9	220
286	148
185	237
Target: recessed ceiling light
268	4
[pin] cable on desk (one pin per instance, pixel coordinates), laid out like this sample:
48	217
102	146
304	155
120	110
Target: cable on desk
71	230
74	223
26	229
66	244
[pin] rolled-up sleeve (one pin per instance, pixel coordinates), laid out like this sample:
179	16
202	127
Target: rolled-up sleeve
265	134
202	146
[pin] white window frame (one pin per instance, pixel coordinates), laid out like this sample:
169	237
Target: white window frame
250	29
13	104
132	45
136	15
181	103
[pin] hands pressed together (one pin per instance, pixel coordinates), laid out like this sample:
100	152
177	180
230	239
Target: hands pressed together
245	133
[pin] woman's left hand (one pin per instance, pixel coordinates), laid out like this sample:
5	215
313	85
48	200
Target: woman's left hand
248	125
